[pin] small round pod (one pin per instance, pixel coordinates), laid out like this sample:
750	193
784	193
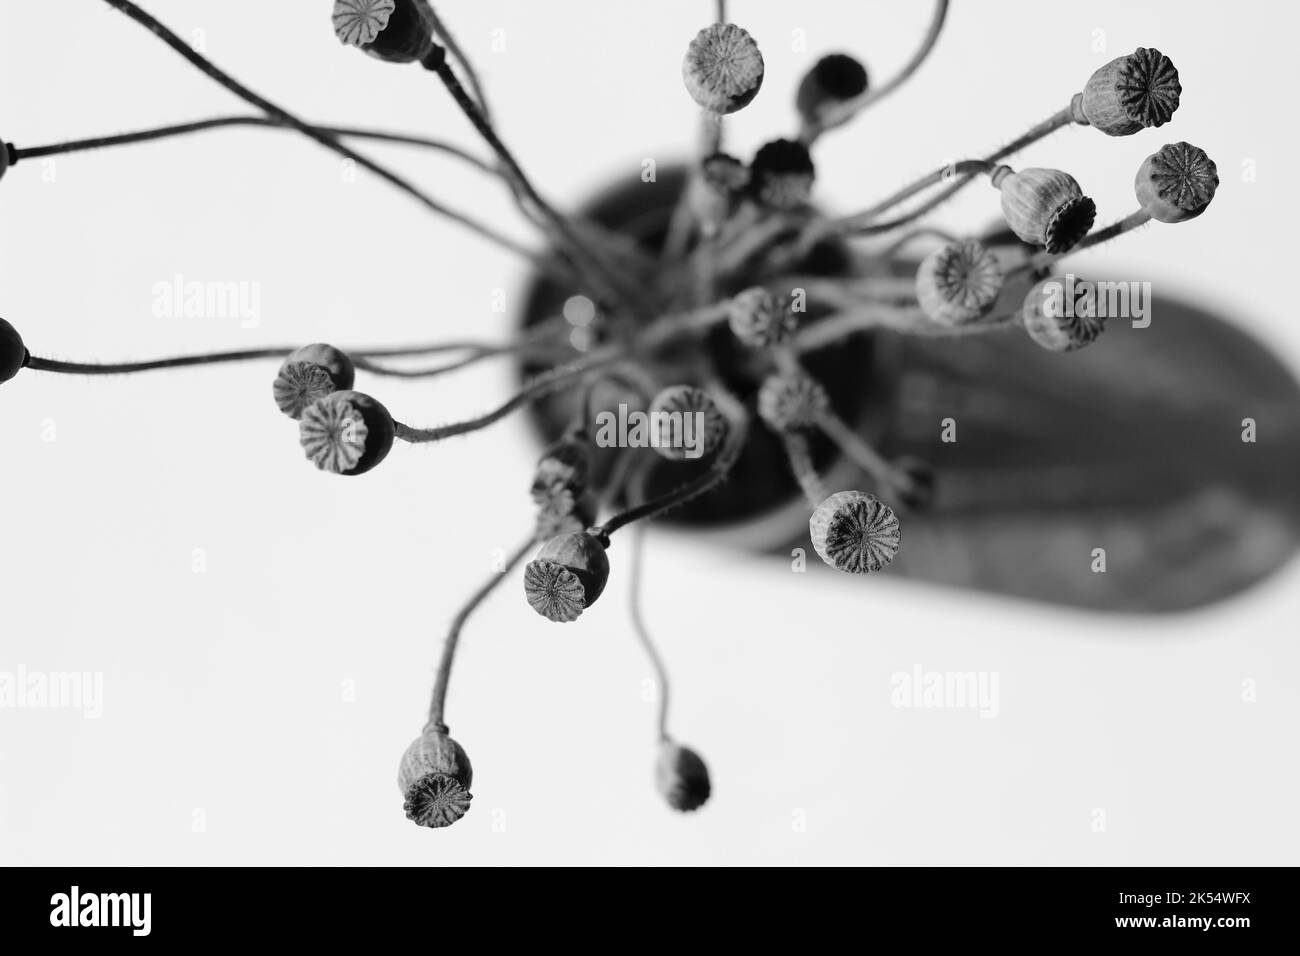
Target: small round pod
790	402
346	433
311	373
1176	183
723	68
1130	93
958	283
834	79
855	532
685	422
567	576
782	174
682	777
1045	207
398	31
1059	325
435	776
13	353
759	318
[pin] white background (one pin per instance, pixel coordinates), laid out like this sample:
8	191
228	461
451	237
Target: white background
225	698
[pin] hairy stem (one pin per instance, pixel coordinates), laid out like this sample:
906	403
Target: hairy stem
643	633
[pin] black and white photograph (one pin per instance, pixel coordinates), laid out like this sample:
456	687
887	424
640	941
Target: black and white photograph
697	434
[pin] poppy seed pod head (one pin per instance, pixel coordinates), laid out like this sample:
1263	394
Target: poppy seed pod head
1059	325
759	318
567	576
564	464
310	373
782	174
958	283
1176	183
1045	207
687	423
13	354
346	433
791	402
435	776
682	777
832	80
399	31
855	532
1131	93
723	68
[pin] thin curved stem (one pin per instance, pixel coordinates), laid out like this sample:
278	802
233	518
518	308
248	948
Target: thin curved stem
643	633
438	699
799	456
1134	220
205	66
856	222
858	449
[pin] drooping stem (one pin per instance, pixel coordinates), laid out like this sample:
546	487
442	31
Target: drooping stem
438	699
858	449
799	456
643	633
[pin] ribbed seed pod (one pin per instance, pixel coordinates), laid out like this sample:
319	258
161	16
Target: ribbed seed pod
1045	207
1131	93
759	318
855	532
567	576
682	777
435	776
346	433
311	373
686	423
1176	183
831	81
782	174
723	68
13	354
790	402
1057	324
958	283
399	31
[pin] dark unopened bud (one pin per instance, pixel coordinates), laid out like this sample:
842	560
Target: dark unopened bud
723	68
1045	207
958	283
832	80
791	402
682	777
1131	93
435	776
1176	183
13	354
346	433
759	318
567	576
782	174
399	31
1060	316
855	532
311	373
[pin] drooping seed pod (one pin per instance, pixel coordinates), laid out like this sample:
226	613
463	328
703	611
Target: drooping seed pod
1176	183
782	174
399	31
682	777
723	68
1045	207
958	283
1131	93
567	576
311	373
435	776
346	433
855	532
1060	320
832	80
791	402
685	422
13	353
759	318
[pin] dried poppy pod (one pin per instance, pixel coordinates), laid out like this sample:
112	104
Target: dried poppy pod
13	354
567	576
1130	93
832	80
723	68
564	464
1057	322
346	433
682	777
855	532
958	283
791	402
1045	207
686	423
1176	183
399	31
311	373
759	318
782	174
435	776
